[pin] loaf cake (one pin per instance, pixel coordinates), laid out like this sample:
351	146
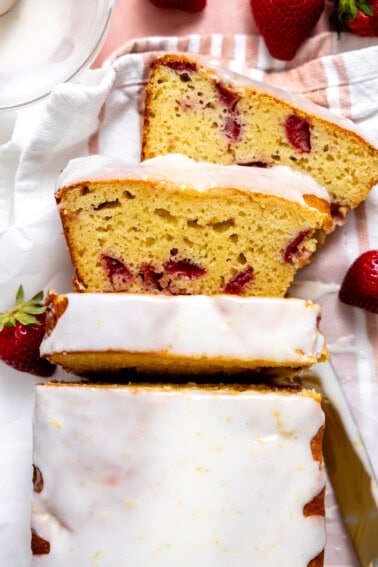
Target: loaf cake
214	115
103	332
177	476
180	227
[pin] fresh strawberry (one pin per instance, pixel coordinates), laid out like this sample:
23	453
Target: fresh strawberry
360	285
186	5
358	16
21	332
285	24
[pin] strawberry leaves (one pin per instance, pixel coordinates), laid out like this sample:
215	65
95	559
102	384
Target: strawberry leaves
23	312
349	8
358	16
365	9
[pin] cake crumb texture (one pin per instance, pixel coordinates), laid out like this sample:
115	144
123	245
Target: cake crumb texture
159	236
195	110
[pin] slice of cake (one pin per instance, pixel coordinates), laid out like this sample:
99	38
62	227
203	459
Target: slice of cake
168	476
176	226
220	117
103	332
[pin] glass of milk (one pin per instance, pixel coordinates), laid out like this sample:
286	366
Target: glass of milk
46	42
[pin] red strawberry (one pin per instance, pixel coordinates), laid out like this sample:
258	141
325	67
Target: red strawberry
298	133
360	285
184	268
186	5
21	332
285	24
358	16
237	284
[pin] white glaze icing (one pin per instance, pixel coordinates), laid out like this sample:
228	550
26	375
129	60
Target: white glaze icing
343	344
312	289
200	176
143	476
270	329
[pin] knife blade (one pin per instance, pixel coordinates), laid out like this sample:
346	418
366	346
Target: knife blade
348	466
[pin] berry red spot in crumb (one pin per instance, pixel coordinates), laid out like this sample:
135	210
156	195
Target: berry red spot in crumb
295	250
39	546
227	97
262	164
117	272
185	105
182	66
184	268
298	133
239	282
232	128
151	278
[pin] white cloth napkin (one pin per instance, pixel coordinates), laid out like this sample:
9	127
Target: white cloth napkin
102	113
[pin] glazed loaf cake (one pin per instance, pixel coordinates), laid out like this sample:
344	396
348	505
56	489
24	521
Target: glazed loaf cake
177	476
220	117
100	332
176	226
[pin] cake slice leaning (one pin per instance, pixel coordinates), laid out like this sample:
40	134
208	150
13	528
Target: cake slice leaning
177	476
175	226
214	115
95	333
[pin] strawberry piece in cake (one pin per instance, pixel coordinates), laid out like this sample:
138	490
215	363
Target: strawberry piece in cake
186	227
231	119
298	133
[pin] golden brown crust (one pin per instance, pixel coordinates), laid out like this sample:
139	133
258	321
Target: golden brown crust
321	205
316	446
316	507
37	479
39	546
162	363
318	561
57	304
76	283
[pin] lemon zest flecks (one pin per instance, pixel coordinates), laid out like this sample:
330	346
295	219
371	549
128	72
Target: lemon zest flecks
55	423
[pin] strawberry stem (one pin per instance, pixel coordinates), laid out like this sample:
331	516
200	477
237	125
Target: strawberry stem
348	9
